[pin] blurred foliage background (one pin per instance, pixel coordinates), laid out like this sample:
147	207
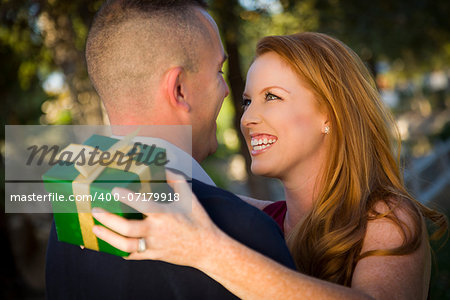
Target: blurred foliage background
405	43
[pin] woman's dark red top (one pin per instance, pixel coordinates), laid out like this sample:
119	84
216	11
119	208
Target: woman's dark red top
277	211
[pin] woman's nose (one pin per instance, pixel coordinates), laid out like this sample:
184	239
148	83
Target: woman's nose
250	117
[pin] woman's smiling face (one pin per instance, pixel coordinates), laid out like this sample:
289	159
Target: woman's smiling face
282	122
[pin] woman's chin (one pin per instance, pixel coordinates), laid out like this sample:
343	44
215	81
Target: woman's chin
262	170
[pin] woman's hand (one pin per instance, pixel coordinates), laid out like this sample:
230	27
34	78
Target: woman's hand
178	238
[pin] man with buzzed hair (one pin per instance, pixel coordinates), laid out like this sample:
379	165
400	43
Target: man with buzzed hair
160	63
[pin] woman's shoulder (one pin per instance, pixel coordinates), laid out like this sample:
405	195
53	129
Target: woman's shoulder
395	252
392	223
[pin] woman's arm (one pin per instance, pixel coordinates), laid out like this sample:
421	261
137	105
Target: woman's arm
375	277
247	273
250	275
259	204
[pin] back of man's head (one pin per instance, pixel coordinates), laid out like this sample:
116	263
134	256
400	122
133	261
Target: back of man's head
131	43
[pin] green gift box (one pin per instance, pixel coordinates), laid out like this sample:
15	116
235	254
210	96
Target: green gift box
140	170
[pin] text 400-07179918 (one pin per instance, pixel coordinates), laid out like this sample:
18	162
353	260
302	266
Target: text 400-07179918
145	197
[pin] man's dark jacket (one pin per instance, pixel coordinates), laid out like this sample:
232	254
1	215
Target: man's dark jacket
73	273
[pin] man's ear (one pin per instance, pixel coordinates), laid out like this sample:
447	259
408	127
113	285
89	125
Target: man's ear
176	88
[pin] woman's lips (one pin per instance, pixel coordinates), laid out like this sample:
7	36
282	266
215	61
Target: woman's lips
261	143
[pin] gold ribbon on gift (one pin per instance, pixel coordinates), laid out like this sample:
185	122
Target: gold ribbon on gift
88	173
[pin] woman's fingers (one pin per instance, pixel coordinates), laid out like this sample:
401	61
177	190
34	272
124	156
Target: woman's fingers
180	186
142	202
153	254
126	227
132	199
174	237
173	178
116	240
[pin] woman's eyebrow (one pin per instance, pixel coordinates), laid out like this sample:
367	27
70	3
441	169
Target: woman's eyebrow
274	87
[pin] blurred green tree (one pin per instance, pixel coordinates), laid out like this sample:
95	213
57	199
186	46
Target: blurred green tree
39	38
411	33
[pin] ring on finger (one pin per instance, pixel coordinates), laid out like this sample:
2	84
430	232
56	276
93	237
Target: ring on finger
142	246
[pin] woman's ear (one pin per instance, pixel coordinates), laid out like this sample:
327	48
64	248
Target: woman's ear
326	125
176	88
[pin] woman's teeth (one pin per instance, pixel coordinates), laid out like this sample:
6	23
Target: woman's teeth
263	143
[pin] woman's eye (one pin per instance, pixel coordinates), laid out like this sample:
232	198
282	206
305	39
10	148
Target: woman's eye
246	102
270	96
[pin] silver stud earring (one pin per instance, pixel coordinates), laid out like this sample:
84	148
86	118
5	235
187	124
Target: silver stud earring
327	129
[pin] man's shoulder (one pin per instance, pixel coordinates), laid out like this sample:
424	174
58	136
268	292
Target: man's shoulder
203	190
214	198
243	222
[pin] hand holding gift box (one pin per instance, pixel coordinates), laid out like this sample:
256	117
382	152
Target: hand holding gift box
99	165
